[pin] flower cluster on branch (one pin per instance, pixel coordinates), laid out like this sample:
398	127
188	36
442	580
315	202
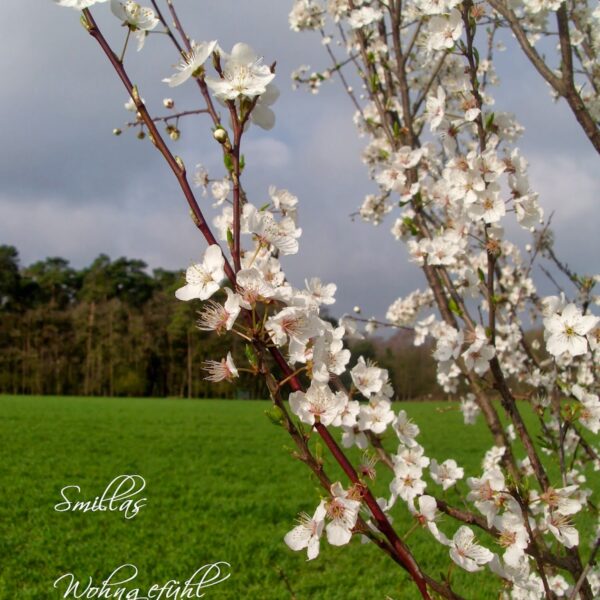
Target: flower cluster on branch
445	165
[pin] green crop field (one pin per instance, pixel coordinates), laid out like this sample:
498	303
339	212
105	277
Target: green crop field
221	486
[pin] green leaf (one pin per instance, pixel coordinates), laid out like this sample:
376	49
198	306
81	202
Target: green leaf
411	225
228	162
251	355
319	451
454	307
563	385
374	82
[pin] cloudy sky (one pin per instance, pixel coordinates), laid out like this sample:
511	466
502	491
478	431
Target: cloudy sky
69	188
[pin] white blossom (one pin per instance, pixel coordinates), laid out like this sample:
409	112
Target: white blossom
444	30
244	74
262	114
220	317
204	279
224	369
469	409
78	4
252	287
466	553
134	15
406	484
321	293
405	429
364	16
282	235
561	527
375	416
479	353
308	533
447	473
513	537
368	378
487	493
318	403
220	190
343	512
192	63
329	354
306	14
436	105
589	410
566	331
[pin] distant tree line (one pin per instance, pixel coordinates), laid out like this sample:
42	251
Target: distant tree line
114	329
110	329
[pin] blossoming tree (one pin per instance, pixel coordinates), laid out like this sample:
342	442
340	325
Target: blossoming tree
445	165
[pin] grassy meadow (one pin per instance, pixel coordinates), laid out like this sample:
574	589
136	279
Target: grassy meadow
221	486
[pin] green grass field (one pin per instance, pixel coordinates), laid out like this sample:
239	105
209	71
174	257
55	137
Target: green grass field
221	486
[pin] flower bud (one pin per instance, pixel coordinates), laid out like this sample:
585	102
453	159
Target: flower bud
220	135
117	131
168	103
173	132
275	415
135	94
356	309
141	135
194	218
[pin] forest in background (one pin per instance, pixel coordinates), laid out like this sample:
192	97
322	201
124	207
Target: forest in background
114	328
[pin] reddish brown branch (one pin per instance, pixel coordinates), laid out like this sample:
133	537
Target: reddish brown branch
383	524
176	165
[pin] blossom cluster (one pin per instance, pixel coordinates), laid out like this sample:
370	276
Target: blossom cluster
443	163
449	176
